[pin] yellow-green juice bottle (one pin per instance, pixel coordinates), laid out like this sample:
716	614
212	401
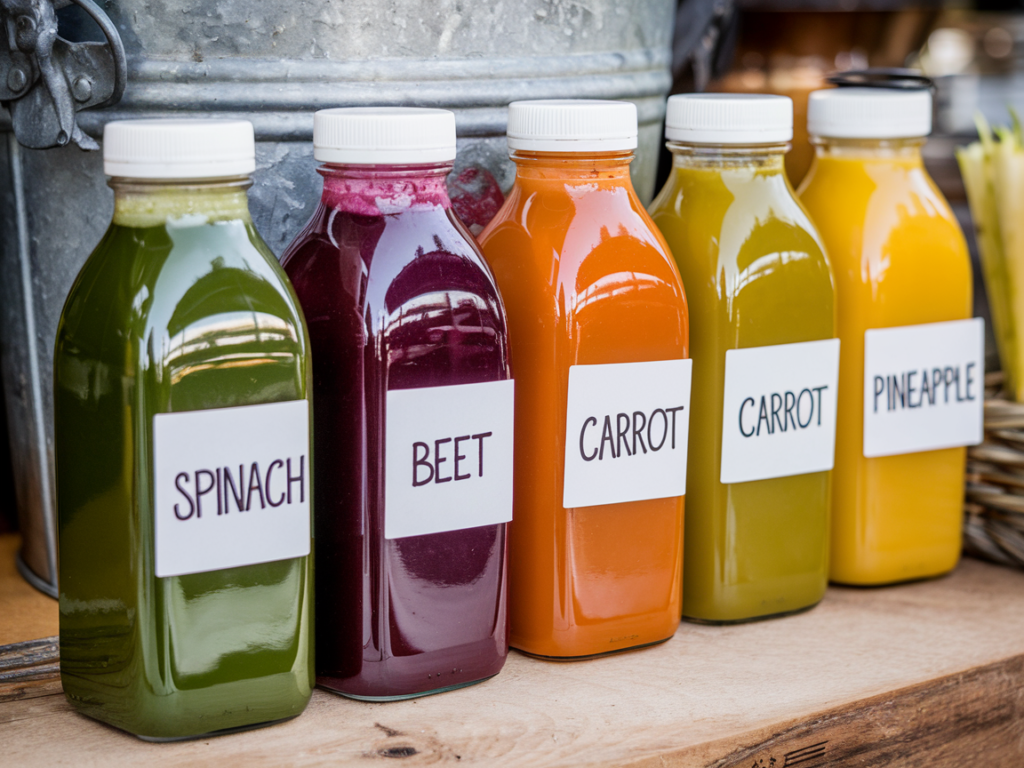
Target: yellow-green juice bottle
765	371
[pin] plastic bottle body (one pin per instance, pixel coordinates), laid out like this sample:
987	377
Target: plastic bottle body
397	297
586	280
756	275
900	260
180	308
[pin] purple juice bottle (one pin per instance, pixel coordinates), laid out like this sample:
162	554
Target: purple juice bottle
413	421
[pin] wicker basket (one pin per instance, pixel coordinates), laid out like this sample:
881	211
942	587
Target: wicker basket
994	505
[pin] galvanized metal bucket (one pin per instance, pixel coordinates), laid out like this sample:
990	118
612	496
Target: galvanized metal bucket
274	62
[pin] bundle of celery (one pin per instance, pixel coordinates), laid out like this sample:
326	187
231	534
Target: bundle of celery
993	173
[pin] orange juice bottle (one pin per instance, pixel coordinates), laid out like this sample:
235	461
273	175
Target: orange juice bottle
911	360
599	332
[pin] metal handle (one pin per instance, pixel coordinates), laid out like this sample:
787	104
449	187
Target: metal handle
45	80
116	50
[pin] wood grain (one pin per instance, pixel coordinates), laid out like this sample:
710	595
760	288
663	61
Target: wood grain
927	674
975	718
30	668
40	683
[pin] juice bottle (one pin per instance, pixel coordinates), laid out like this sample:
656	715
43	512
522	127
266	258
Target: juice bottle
413	435
761	298
903	286
181	396
598	322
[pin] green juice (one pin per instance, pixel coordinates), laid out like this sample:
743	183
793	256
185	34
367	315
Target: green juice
755	275
181	307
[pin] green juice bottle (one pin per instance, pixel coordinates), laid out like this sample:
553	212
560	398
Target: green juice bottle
182	407
765	361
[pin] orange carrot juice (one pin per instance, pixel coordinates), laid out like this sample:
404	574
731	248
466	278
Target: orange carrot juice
598	328
910	360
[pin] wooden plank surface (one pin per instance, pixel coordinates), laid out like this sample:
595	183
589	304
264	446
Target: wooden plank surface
927	674
27	669
25	613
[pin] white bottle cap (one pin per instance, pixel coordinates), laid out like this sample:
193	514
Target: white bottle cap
572	125
869	113
178	149
384	136
729	118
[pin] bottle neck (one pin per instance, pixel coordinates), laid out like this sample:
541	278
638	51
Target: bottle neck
151	203
612	168
765	158
903	150
377	190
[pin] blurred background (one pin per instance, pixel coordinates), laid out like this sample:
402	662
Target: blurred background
973	51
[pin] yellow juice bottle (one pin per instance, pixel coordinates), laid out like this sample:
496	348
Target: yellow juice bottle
761	299
911	366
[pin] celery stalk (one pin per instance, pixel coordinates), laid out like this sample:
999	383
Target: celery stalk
993	174
1008	181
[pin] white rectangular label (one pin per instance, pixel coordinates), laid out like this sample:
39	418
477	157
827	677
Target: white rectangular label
448	458
923	387
231	487
626	432
779	410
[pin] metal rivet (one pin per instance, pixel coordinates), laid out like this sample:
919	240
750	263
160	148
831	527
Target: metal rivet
81	88
17	79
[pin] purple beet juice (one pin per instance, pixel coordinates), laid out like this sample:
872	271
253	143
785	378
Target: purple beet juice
403	313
